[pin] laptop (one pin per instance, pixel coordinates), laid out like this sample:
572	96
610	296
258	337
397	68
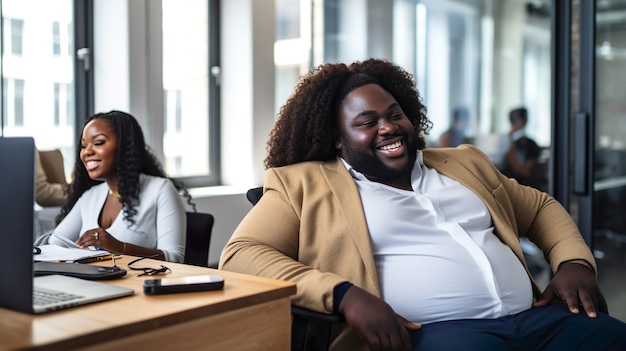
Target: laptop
17	184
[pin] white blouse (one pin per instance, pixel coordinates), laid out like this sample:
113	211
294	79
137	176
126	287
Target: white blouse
160	222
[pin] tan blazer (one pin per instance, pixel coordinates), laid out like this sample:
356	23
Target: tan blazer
309	227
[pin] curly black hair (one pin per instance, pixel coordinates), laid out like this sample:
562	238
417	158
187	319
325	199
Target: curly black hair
306	127
133	157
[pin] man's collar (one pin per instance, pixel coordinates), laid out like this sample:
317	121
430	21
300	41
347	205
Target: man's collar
415	173
354	173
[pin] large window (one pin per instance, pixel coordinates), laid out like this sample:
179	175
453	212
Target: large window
38	74
189	139
48	82
186	84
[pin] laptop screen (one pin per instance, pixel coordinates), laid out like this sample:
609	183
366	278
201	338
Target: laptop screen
17	184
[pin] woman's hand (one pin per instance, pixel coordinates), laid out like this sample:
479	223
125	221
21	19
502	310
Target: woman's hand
100	238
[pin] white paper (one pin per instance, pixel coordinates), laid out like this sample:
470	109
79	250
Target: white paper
54	253
72	244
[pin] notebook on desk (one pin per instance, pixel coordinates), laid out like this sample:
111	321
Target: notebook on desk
19	286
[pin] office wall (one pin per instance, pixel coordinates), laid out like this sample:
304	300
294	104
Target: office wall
229	205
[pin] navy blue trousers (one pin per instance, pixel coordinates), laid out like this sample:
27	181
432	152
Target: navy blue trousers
552	327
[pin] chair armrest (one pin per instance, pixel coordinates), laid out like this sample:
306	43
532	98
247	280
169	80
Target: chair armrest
322	317
310	330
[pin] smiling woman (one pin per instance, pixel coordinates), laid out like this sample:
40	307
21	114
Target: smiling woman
97	151
120	198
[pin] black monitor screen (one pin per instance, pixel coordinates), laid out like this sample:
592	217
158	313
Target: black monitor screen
17	189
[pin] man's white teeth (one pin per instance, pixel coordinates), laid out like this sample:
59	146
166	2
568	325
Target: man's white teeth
393	146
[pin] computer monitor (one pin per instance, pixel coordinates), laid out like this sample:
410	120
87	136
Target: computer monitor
17	195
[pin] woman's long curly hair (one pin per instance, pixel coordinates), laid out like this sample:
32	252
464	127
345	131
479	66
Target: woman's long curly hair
306	128
132	158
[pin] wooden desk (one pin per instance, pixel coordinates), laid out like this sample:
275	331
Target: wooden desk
251	313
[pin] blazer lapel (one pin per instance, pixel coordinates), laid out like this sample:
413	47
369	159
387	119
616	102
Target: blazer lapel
347	195
456	170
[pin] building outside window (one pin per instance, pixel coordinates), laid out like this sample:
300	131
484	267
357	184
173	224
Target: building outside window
56	38
173	111
13	101
16	29
38	81
63	104
18	102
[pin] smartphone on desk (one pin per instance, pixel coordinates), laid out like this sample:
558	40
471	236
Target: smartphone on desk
183	284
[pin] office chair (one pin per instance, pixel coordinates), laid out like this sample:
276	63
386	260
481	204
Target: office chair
199	227
310	330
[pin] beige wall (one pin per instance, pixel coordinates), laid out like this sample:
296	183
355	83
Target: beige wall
228	208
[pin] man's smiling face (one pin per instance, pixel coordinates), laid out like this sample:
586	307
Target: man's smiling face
375	136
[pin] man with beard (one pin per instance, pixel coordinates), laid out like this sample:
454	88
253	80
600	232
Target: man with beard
417	248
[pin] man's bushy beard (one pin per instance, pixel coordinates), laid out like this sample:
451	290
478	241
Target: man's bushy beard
374	169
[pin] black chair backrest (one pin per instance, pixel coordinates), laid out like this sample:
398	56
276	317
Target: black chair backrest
199	227
254	195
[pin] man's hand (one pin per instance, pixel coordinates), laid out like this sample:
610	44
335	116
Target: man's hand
375	321
576	285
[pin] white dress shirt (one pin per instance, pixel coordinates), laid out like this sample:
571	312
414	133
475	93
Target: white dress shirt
435	251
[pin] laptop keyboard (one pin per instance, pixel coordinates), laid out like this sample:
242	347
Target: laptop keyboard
43	296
